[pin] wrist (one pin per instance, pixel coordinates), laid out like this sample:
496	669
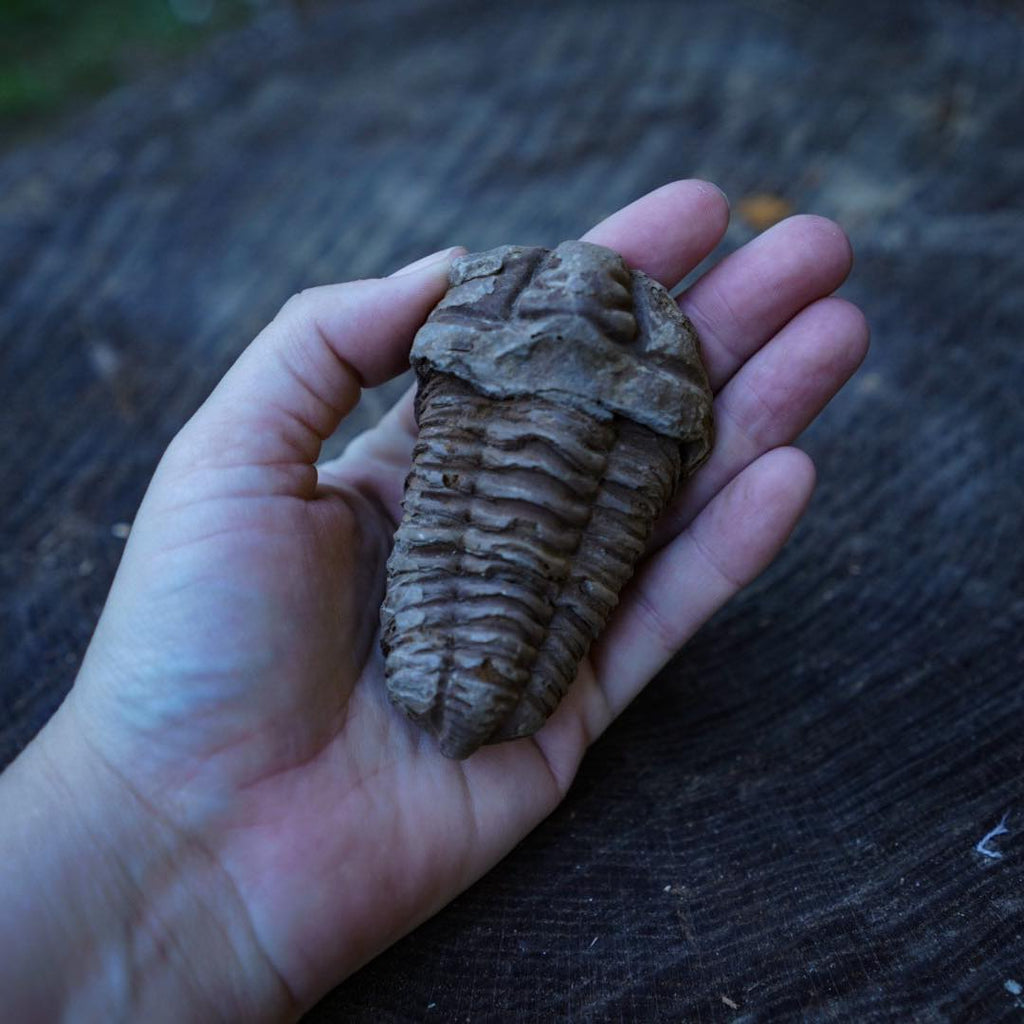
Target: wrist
110	911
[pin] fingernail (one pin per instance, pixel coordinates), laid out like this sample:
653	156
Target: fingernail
721	192
440	256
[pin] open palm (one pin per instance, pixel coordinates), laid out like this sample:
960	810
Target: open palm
234	683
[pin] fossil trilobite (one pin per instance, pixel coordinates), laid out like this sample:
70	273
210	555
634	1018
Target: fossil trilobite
561	400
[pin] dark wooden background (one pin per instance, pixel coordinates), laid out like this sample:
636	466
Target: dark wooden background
784	824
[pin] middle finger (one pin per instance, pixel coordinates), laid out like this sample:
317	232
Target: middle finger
742	302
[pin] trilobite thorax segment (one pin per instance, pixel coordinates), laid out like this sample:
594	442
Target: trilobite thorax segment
561	399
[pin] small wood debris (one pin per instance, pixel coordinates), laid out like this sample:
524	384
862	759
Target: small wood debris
763	209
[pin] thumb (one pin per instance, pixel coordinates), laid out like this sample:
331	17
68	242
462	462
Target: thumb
302	375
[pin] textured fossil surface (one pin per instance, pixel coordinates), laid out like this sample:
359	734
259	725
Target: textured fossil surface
561	400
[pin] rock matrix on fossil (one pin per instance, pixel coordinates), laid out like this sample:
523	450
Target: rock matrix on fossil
561	400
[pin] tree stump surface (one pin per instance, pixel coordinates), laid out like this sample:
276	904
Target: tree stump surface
784	824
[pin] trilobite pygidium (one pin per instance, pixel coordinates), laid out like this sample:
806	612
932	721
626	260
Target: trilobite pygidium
561	400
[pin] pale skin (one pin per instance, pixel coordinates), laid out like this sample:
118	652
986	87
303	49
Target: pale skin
226	817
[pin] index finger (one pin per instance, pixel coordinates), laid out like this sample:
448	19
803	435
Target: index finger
667	232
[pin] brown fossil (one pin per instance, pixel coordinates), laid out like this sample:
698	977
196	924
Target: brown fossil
561	400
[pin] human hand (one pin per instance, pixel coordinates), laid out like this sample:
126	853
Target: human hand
292	824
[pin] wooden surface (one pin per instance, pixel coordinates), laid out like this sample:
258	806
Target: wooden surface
784	824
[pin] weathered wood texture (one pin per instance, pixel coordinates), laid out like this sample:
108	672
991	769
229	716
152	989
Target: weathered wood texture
786	820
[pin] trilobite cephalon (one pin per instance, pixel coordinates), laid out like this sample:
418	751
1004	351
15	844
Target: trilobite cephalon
561	400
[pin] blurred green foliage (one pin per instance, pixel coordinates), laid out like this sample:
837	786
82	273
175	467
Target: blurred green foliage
54	51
